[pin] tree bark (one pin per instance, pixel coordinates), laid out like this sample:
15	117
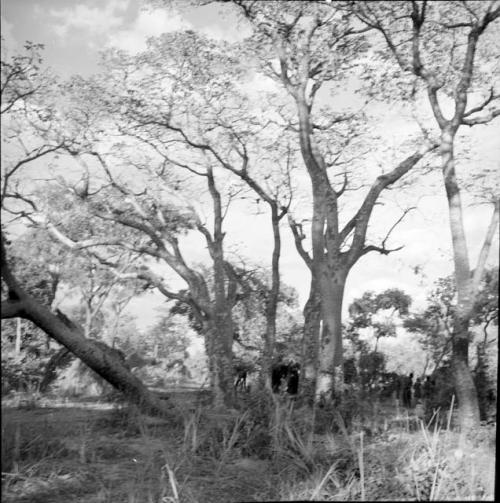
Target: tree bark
468	404
311	336
272	301
223	378
17	349
221	329
331	343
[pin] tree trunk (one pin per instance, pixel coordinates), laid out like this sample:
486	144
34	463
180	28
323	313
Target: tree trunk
220	335
272	302
87	326
331	343
311	337
108	366
17	349
59	328
468	405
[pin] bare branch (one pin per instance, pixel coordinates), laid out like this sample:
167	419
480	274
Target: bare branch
491	97
481	120
299	237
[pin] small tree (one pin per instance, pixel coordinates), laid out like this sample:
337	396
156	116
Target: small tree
363	312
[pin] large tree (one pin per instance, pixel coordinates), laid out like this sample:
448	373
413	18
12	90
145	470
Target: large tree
308	47
447	47
160	111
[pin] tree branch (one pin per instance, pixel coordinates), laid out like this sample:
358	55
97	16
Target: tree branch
485	249
299	237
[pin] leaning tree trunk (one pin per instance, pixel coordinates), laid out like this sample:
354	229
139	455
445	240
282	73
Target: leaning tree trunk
106	364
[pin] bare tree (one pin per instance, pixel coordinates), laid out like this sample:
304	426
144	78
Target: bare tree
440	44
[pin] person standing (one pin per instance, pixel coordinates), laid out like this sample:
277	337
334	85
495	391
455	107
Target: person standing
407	391
417	390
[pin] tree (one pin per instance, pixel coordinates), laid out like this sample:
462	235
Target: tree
25	108
316	46
435	323
440	44
363	312
143	206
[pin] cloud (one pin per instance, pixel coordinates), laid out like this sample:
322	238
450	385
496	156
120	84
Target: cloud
96	20
148	24
9	43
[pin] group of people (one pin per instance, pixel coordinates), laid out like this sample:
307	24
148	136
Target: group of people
285	377
411	393
404	387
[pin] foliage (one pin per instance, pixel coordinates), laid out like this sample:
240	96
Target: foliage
377	312
35	271
363	311
486	305
166	339
434	324
22	373
371	365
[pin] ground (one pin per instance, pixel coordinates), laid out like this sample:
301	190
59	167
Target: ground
90	452
97	452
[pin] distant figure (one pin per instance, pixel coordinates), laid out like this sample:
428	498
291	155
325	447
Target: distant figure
408	382
417	390
427	388
241	379
293	379
279	373
398	387
285	377
350	372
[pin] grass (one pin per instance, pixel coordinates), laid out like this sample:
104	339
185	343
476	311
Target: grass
271	449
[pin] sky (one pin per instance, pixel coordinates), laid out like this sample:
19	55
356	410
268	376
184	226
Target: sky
75	32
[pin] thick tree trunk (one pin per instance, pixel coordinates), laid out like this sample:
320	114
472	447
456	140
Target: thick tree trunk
220	334
209	334
465	388
311	337
332	289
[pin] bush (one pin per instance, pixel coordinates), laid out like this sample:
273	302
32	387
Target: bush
22	373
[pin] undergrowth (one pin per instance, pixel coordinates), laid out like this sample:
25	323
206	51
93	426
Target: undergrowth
270	448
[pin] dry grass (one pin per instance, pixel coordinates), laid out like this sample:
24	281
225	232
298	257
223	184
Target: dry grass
271	449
